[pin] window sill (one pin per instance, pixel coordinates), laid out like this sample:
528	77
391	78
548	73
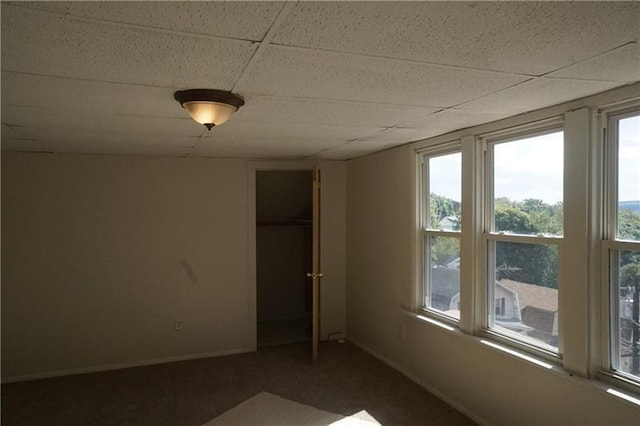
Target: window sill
630	388
607	382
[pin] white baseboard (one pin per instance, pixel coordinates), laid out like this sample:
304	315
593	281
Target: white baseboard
118	366
450	401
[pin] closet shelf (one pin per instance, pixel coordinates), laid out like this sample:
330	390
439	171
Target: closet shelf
284	222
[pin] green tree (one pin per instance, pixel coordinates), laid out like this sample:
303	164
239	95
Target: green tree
545	218
628	225
513	220
629	229
629	273
442	207
529	263
444	250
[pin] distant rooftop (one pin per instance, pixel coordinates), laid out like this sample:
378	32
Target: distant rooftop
534	295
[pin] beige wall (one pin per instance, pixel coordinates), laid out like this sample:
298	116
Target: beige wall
333	251
101	254
493	387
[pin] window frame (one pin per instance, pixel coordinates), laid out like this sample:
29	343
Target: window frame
490	237
424	232
583	319
611	246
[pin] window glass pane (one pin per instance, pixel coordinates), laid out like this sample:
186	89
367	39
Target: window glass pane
629	178
445	191
627	339
527	185
443	280
525	292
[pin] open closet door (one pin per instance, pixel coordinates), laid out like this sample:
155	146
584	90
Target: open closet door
315	273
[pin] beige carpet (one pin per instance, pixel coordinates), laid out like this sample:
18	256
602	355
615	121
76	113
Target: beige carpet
266	409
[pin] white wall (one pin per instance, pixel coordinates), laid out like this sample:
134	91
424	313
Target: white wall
100	254
493	387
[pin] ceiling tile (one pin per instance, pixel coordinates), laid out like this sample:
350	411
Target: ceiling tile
399	136
271	140
268	149
323	75
306	111
455	119
245	20
625	58
14	139
520	37
21	144
79	147
354	149
341	83
538	93
269	133
116	138
42	43
78	119
8	131
108	98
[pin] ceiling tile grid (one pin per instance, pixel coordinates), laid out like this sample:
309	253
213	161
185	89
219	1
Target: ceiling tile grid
538	93
55	94
40	118
288	149
231	19
621	64
520	37
306	73
355	149
455	119
321	79
41	43
280	109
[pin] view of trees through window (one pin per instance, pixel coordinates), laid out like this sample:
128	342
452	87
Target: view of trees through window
524	232
531	217
442	282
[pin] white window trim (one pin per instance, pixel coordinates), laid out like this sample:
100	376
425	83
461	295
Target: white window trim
490	237
450	147
584	307
609	243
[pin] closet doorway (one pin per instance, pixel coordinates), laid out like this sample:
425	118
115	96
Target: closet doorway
284	243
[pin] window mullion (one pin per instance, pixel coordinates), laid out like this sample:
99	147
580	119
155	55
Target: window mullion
574	321
525	239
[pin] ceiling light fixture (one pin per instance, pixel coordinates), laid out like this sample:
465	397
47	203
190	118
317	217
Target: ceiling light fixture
209	107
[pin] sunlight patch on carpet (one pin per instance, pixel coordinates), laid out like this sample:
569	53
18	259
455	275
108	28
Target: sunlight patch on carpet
266	409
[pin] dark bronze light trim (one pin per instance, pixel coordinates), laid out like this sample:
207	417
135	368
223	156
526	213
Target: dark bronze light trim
210	95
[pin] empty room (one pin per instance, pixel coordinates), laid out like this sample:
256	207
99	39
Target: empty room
316	213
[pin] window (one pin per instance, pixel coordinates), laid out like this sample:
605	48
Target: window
622	242
523	232
441	230
528	237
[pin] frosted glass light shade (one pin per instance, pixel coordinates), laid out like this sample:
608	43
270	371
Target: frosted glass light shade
205	112
209	107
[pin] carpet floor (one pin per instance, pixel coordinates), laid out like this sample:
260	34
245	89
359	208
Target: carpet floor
346	380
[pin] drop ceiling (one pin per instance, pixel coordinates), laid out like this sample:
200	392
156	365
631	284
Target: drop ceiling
332	80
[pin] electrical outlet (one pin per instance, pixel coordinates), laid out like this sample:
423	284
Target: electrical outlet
177	325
